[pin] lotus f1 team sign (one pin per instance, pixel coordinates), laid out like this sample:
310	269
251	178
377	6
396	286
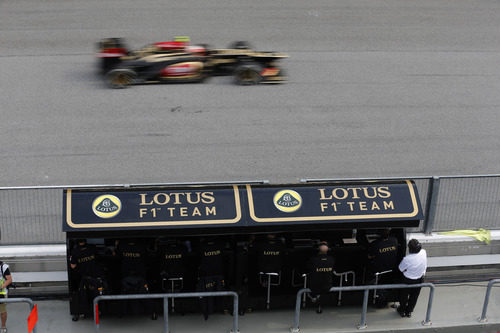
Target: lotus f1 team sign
330	202
87	209
241	206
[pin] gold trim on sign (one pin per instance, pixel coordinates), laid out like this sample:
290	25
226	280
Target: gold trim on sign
331	217
70	223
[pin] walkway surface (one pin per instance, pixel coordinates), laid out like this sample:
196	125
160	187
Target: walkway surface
456	308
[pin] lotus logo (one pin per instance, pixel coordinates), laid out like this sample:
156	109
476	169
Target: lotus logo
287	201
106	206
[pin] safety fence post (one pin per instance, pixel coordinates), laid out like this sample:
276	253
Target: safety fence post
20	300
431	205
483	318
235	314
362	324
96	315
165	314
427	321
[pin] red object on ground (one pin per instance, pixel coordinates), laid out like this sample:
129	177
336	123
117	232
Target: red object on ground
32	319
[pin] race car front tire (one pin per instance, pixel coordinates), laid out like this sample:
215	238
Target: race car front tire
120	78
248	74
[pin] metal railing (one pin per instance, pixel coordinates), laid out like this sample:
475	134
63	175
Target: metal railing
487	299
20	300
165	298
366	289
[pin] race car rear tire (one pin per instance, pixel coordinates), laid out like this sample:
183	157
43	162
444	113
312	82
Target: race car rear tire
120	78
248	74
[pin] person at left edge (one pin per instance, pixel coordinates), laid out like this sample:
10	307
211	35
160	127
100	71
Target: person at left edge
5	281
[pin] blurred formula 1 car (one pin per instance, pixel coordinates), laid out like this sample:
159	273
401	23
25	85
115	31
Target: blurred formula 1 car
178	61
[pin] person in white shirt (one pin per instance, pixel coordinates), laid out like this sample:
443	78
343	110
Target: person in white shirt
413	267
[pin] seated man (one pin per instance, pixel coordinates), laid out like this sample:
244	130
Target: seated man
173	260
212	258
211	274
320	279
270	254
133	256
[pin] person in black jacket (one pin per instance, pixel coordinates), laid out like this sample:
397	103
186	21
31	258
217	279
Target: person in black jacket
83	259
89	279
173	258
270	254
132	254
383	253
320	279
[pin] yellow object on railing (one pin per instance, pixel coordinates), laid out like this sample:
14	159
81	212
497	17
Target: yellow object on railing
481	235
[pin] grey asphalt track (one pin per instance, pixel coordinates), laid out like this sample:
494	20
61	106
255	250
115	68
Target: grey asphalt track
377	88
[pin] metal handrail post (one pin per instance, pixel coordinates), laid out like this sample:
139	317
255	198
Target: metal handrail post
487	299
304	297
362	324
427	321
20	300
340	292
375	291
377	274
296	317
235	314
268	301
165	315
96	315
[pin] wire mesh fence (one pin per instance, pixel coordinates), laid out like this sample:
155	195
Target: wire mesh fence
34	215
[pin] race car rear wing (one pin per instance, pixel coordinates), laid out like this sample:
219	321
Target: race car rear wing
111	48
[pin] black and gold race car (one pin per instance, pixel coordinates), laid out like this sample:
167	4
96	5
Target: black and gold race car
178	61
